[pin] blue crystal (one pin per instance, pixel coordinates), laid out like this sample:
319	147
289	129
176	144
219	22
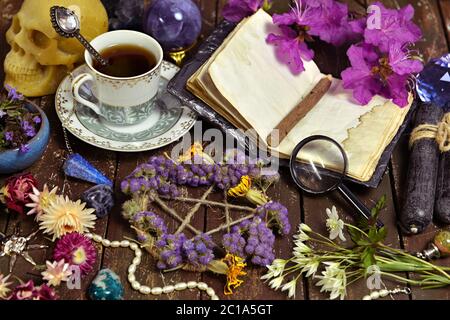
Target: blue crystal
176	24
433	83
77	167
106	286
100	198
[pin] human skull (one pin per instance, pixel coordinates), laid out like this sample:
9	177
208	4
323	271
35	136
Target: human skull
40	58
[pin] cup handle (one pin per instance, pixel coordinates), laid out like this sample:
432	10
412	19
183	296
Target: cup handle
76	85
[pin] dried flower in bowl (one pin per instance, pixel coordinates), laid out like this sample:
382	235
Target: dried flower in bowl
18	124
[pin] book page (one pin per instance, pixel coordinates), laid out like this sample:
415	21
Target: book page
248	74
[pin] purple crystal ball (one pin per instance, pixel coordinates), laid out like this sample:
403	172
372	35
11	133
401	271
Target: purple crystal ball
175	24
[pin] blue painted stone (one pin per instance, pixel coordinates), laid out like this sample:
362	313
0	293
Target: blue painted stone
433	83
176	24
106	286
100	198
77	167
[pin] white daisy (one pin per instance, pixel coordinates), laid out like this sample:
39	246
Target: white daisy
334	224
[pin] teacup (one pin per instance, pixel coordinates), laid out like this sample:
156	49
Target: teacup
121	101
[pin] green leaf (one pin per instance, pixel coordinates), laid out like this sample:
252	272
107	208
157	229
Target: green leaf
355	235
381	204
368	258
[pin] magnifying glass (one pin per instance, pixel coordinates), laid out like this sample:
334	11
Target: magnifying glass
319	165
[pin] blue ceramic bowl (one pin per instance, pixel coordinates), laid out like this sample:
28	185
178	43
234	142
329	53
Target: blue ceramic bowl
12	161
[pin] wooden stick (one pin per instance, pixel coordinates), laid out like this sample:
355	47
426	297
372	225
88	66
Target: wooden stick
173	213
226	225
194	209
299	112
211	203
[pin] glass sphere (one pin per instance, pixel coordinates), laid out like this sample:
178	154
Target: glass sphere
442	241
175	24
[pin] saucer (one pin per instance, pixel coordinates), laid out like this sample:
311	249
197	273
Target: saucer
168	122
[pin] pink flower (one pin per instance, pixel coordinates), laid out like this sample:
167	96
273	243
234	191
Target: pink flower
396	26
29	291
76	249
326	19
375	73
236	10
295	26
333	26
16	193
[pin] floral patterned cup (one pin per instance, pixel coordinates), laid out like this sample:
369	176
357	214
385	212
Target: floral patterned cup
120	101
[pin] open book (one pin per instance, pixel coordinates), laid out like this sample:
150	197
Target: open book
245	83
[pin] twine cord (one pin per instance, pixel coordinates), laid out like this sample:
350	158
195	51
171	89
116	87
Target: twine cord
439	132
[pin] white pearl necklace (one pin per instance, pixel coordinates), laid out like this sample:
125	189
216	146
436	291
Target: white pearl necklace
156	291
384	293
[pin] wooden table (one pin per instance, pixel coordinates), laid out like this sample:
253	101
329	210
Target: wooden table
431	15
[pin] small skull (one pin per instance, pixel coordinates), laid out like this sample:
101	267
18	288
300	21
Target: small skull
40	58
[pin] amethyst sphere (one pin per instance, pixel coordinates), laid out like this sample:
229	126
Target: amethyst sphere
175	24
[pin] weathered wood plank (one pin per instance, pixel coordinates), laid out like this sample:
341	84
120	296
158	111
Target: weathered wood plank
444	6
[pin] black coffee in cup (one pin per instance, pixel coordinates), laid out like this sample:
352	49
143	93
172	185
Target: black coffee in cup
125	61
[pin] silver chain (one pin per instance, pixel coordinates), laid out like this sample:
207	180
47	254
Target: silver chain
66	140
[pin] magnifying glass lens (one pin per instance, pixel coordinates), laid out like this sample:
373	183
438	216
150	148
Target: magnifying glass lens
320	166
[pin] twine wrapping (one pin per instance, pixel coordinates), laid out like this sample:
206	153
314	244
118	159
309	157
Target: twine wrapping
439	132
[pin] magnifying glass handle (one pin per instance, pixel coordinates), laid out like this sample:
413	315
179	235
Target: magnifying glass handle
361	207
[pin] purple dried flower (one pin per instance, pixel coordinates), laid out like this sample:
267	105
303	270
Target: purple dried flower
260	243
253	240
2	113
276	216
125	186
170	250
234	243
199	250
150	223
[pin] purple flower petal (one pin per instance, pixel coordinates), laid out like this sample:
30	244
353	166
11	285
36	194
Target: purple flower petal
396	26
291	51
13	95
24	148
400	62
37	119
9	136
236	10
